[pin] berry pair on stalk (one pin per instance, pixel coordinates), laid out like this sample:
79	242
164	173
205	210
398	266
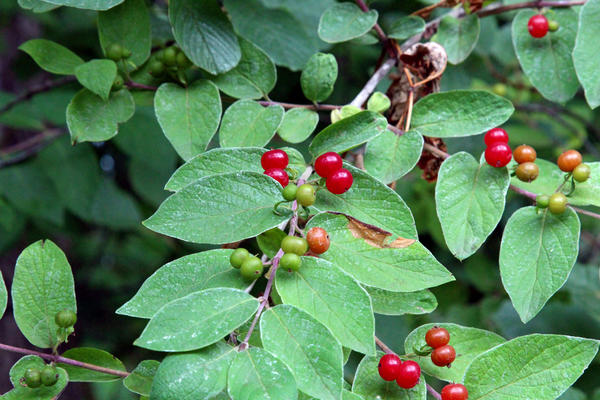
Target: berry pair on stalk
35	377
406	374
251	267
443	354
337	179
317	241
497	154
538	26
274	163
527	170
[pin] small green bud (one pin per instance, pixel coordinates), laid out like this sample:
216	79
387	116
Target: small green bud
349	110
335	116
499	89
65	318
378	102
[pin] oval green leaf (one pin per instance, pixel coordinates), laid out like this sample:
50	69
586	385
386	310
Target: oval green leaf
399	303
318	76
87	4
92	356
141	378
458	36
41	393
3	296
51	56
345	21
97	76
298	124
405	27
586	56
247	123
389	156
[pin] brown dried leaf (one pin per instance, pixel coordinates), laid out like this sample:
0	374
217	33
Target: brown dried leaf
429	162
375	236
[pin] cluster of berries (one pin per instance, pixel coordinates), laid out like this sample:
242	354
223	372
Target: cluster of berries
274	162
538	26
34	377
443	354
525	155
171	59
406	374
337	179
497	154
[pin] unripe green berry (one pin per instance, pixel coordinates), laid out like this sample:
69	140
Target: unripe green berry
238	256
33	378
182	61
582	172
49	375
553	25
156	68
289	192
114	52
170	56
542	200
306	195
557	203
160	55
118	82
126	52
294	244
290	262
251	268
65	318
499	89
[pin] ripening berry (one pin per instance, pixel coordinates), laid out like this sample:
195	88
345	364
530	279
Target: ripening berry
306	195
409	374
553	25
527	172
65	318
251	268
495	135
274	159
389	367
238	256
327	164
455	391
339	182
49	375
538	26
524	153
443	356
33	378
542	200
318	240
557	203
289	192
290	262
437	337
582	172
279	175
498	155
294	244
569	160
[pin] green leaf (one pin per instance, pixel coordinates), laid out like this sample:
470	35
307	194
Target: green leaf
41	393
345	21
3	296
372	202
128	25
253	78
276	31
37	6
197	320
209	202
536	256
298	124
389	157
319	76
347	395
399	303
91	119
87	4
469	198
541	367
188	116
584	287
141	378
460	113
52	57
585	55
468	343
216	161
247	123
257	374
97	76
93	356
42	286
332	298
307	347
205	34
406	268
458	36
269	242
196	375
547	61
369	384
348	133
186	275
406	27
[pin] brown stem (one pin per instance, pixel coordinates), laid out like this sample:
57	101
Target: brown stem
135	85
28	147
44	87
382	36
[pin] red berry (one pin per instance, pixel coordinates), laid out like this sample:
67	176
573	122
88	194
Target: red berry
409	375
389	367
339	182
455	391
437	337
327	164
279	175
569	160
538	26
443	356
498	155
274	159
495	135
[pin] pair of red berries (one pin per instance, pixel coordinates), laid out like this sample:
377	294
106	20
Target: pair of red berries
274	163
497	154
443	354
406	374
337	179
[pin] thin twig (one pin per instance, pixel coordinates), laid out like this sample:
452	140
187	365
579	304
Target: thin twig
372	83
27	148
136	85
44	87
382	36
320	107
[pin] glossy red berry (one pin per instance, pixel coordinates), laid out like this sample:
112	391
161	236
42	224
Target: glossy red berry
409	375
274	159
498	155
443	356
538	26
389	367
279	175
327	164
437	337
455	391
339	182
495	135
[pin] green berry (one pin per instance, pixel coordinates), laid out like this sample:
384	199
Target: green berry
65	318
160	55
49	375
182	61
157	68
170	56
499	89
251	268
542	200
238	256
294	244
114	52
33	378
289	192
118	82
582	172
126	52
306	195
557	203
290	262
553	25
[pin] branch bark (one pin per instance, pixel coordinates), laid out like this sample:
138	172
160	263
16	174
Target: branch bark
45	87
